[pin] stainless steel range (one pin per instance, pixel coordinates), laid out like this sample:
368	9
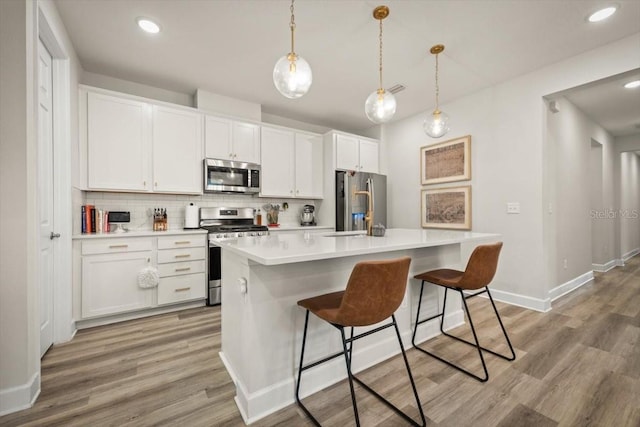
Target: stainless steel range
225	223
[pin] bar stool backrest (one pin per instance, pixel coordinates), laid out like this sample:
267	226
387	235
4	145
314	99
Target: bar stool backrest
374	292
481	267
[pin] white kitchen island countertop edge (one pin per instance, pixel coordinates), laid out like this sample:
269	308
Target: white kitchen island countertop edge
277	249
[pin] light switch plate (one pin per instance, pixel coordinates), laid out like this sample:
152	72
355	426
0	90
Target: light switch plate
513	207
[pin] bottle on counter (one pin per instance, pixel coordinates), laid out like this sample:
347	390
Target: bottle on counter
259	218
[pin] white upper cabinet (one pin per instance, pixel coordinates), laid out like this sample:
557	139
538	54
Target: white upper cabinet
277	174
118	143
291	164
347	156
232	140
217	138
308	166
356	153
246	142
177	150
133	145
369	156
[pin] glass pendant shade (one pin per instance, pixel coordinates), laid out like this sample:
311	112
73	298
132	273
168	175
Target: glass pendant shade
380	106
292	76
436	124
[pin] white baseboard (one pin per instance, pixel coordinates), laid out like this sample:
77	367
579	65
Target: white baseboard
21	397
571	285
630	254
603	268
531	303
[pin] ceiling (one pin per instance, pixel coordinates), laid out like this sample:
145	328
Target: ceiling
229	47
609	104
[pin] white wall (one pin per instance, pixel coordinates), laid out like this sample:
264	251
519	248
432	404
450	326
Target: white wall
629	204
119	85
19	327
19	314
510	156
572	134
623	145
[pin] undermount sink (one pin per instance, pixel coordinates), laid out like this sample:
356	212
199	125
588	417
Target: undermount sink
346	234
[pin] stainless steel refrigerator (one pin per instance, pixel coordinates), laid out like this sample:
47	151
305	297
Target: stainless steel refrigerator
351	209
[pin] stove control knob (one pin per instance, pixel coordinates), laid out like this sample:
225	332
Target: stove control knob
219	236
240	235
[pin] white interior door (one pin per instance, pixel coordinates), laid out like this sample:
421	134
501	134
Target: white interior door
45	198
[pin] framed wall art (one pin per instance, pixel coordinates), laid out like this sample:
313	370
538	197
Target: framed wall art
447	161
447	208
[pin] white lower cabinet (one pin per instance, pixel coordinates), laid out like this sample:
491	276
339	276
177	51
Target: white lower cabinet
181	288
181	264
110	283
110	267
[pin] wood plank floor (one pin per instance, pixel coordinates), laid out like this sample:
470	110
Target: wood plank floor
578	365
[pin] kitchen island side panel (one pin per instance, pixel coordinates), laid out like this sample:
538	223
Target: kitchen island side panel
262	329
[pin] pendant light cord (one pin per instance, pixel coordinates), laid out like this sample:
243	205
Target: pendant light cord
437	85
292	25
380	55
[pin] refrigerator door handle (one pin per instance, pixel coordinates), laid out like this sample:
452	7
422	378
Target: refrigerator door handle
371	189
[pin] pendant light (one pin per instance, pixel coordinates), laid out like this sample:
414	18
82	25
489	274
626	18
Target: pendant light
380	105
292	74
437	123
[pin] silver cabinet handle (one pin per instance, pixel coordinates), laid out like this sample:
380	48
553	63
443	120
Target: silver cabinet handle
183	256
182	289
183	269
183	242
118	246
54	235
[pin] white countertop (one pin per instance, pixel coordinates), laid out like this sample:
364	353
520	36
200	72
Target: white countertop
140	233
278	249
289	227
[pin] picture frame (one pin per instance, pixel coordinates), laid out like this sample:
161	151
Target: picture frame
447	161
448	207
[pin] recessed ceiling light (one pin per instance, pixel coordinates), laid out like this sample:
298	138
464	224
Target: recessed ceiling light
602	14
632	85
148	25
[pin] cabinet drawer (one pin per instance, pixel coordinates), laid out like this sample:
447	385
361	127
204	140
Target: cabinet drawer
117	245
190	241
181	288
181	268
177	255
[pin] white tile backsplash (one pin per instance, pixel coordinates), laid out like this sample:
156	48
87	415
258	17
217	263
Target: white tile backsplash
141	206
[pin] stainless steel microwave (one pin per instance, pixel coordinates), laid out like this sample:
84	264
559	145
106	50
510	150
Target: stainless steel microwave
225	176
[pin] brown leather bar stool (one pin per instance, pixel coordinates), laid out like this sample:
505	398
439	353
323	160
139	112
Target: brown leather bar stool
374	292
479	273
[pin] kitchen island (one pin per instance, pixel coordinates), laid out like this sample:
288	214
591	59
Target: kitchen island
264	277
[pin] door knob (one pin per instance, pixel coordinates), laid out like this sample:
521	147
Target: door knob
54	235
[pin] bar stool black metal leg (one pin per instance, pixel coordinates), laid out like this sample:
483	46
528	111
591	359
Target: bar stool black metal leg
444	309
347	359
415	329
504	331
406	363
304	342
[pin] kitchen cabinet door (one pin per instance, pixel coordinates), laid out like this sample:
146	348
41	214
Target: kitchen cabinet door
246	142
177	151
217	134
118	143
277	174
347	157
368	151
110	283
308	166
